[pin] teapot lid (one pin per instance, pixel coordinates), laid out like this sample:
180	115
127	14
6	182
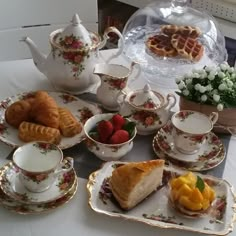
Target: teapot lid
146	98
74	36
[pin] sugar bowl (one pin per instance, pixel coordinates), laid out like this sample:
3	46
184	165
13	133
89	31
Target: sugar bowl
149	109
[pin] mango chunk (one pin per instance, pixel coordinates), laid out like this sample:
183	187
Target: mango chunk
187	203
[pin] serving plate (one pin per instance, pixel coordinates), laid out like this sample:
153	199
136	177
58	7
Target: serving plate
82	110
156	211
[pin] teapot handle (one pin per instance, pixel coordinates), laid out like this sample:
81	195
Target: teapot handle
112	29
169	97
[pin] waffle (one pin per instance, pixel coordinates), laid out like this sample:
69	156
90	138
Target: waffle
186	31
161	45
187	47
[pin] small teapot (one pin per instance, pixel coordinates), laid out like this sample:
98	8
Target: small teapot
74	51
147	108
114	79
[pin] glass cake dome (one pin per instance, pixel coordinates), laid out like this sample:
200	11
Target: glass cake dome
175	21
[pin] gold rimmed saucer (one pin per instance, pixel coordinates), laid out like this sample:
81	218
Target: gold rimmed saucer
11	185
207	164
208	150
21	208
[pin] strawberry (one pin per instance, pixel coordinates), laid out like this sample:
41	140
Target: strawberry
105	129
118	122
120	136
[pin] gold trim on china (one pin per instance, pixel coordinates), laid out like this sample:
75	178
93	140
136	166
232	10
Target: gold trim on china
92	181
71	195
10	164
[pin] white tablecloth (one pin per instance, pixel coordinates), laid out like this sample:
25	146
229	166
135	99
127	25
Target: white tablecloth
75	218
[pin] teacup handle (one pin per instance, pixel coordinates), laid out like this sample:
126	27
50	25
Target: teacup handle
214	117
66	161
169	97
108	30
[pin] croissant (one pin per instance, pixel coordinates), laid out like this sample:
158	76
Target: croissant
133	182
44	110
33	132
68	124
18	112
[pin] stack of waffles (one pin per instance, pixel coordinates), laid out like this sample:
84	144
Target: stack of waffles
176	40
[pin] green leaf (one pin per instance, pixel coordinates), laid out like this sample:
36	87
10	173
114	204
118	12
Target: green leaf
130	127
200	183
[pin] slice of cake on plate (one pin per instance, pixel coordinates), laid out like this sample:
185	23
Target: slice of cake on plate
134	181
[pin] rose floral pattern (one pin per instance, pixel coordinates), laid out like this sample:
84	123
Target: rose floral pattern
115	84
85	114
67	98
182	115
74	54
146	118
45	148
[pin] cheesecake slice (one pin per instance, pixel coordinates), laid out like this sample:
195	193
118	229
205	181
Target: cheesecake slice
134	181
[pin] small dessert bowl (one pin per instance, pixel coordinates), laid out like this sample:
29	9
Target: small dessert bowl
106	151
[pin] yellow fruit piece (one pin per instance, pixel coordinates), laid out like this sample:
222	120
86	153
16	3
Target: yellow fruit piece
187	203
196	196
184	190
205	204
191	178
206	192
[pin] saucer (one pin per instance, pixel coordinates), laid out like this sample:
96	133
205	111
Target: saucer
22	208
207	164
209	149
12	186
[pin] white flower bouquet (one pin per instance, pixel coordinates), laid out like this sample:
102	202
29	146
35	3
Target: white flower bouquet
211	85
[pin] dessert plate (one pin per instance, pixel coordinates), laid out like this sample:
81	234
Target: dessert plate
198	166
21	208
155	210
80	109
209	149
12	186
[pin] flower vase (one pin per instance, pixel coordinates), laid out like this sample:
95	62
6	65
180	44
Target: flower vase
227	118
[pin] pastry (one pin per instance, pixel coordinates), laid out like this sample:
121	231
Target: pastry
186	31
68	124
161	45
18	112
133	182
44	110
187	47
33	132
190	194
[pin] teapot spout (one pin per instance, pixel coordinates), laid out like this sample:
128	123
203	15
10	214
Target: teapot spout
38	57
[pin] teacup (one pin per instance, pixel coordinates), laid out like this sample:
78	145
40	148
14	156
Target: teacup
190	129
39	164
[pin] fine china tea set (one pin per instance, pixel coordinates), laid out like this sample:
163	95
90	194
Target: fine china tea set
38	179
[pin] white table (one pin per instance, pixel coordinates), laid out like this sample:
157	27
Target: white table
75	218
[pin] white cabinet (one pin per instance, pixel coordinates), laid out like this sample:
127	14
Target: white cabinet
36	19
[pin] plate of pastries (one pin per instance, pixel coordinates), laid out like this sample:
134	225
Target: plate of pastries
44	116
176	42
158	195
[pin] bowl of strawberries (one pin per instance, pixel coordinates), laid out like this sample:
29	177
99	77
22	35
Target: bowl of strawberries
109	136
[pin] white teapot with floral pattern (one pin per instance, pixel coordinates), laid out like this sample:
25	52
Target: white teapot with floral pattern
149	109
74	52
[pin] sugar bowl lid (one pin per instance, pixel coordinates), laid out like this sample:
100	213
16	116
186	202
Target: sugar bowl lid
74	36
146	98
